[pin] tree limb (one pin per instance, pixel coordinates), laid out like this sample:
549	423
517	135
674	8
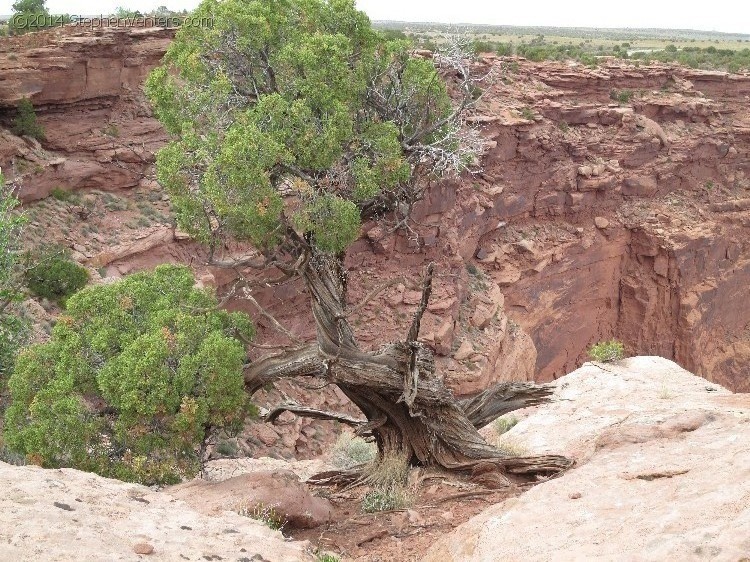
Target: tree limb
502	398
306	412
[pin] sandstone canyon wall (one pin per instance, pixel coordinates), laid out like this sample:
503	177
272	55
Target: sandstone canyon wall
589	220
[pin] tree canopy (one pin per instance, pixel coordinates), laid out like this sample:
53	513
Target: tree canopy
135	375
29	15
295	97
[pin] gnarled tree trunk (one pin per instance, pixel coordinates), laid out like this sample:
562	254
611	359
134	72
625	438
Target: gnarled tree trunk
407	407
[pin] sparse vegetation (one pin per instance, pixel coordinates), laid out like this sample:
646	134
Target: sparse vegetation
112	130
265	514
351	451
505	424
621	96
607	351
512	448
528	114
665	393
227	448
387	477
385	499
61	194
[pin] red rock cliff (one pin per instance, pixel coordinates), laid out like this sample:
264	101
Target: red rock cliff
591	219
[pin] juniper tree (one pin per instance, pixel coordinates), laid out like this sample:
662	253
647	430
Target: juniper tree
136	375
292	121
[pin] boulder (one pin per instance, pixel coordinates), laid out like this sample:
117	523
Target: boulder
279	489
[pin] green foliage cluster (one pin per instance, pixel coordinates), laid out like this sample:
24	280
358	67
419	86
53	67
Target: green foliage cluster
621	96
539	49
25	122
134	376
280	93
13	327
60	194
54	276
29	15
607	351
733	60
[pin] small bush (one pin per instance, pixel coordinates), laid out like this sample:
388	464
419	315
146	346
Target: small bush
328	558
61	194
385	499
266	514
503	425
351	451
55	276
622	96
512	448
527	114
111	130
134	378
227	448
25	122
607	351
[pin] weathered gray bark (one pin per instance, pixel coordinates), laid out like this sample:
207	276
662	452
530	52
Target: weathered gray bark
408	409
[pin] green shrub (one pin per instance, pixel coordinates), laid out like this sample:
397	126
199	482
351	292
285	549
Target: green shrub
60	194
527	113
504	49
607	351
327	558
227	448
55	276
134	378
352	451
621	96
25	122
13	325
265	514
503	425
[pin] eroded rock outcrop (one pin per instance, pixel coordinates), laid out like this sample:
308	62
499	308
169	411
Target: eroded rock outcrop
68	515
86	87
663	473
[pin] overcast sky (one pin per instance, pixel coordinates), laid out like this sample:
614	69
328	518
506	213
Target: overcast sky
676	14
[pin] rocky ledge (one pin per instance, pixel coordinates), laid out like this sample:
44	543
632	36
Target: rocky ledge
68	515
663	473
